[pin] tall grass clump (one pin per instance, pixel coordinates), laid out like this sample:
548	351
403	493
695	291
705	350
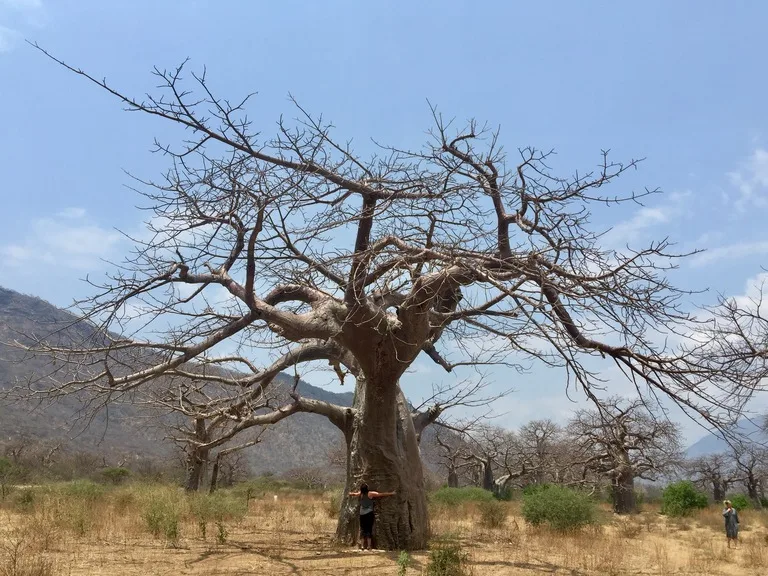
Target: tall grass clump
334	505
403	561
456	496
559	508
162	514
682	499
217	508
493	514
447	558
20	555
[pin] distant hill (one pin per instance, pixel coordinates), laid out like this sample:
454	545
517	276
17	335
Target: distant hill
711	444
303	440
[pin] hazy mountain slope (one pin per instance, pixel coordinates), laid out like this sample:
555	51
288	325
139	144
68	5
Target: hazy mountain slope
302	440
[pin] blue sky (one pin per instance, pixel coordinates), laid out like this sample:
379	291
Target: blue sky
680	83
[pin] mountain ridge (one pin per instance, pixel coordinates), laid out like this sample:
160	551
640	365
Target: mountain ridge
301	441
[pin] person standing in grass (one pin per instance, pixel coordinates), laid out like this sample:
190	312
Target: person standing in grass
731	523
366	513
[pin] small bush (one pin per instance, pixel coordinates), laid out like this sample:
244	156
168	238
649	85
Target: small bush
681	499
403	561
457	496
25	499
334	504
448	559
562	509
116	476
83	490
162	518
493	514
629	530
19	556
219	508
740	502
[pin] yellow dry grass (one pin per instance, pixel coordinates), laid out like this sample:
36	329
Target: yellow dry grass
65	534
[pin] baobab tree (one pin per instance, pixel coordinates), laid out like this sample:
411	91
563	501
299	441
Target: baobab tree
751	461
715	472
454	251
623	440
542	444
452	452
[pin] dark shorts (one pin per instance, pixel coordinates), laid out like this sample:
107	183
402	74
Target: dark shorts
366	525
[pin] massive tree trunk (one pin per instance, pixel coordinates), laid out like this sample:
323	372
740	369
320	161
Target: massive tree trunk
753	491
718	491
624	501
196	464
197	458
383	451
488	483
215	475
453	477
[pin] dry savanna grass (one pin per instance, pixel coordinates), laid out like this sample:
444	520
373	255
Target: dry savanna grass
82	528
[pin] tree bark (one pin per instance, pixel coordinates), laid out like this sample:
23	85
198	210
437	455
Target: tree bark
624	500
215	475
196	461
383	451
197	458
453	478
753	491
488	483
718	491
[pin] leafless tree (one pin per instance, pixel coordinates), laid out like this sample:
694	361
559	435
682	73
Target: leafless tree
624	440
543	444
751	460
365	262
450	452
715	472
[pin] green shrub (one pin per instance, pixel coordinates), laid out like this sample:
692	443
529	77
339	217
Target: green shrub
334	504
219	507
447	559
535	488
25	499
162	518
116	476
83	490
403	561
681	499
456	496
493	514
740	502
562	509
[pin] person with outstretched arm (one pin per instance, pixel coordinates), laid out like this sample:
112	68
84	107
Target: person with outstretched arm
366	513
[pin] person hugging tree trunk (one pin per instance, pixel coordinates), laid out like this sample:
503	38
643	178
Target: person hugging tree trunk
367	515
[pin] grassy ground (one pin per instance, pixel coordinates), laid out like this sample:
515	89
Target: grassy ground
83	528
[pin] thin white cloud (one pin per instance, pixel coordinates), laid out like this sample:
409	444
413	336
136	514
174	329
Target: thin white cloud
15	17
730	252
648	217
72	213
22	5
8	39
751	181
67	239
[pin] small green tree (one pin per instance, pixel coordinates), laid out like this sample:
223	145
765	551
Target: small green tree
116	475
739	501
560	508
681	499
